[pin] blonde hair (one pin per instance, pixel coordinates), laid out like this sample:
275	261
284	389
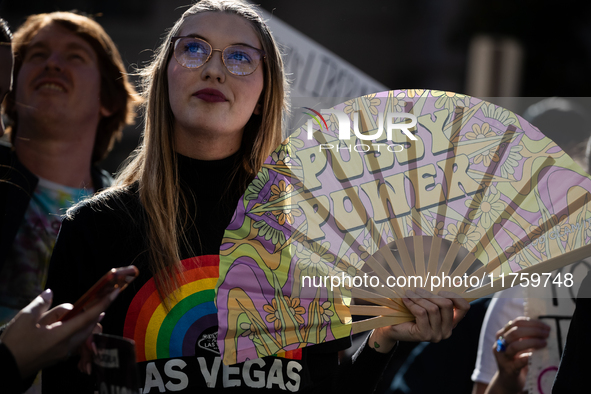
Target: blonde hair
154	165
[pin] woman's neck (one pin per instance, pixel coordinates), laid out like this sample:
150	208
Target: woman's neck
206	146
210	179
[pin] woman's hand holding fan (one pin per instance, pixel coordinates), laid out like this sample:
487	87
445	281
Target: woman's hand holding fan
435	318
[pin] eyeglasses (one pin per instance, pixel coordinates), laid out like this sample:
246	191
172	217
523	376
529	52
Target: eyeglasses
192	52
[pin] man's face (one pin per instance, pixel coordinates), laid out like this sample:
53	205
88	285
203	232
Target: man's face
6	64
59	79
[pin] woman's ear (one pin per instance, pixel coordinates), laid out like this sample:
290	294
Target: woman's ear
105	113
258	109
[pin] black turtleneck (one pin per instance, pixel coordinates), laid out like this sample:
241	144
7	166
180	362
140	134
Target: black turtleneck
211	193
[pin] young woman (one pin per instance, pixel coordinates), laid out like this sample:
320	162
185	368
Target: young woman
215	100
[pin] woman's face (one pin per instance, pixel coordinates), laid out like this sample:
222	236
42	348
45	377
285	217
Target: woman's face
209	102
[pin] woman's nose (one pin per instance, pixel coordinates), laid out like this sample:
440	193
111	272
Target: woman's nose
214	68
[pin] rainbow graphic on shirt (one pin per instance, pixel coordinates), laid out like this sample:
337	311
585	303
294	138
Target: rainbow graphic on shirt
159	334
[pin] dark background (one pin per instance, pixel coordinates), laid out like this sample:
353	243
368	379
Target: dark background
401	44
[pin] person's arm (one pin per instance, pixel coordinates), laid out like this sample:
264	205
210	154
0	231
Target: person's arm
479	388
520	336
506	305
363	371
12	382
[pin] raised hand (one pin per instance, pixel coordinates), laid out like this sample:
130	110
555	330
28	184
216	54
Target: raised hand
37	339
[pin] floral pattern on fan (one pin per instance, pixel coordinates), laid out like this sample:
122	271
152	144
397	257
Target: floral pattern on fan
477	175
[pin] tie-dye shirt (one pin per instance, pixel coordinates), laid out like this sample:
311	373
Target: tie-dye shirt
24	273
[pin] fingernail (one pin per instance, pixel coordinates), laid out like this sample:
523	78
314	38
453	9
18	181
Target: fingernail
94	349
47	295
114	294
101	316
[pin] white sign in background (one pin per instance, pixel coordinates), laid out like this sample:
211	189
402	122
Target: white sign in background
554	305
316	74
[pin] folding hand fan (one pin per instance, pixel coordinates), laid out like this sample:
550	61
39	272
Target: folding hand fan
431	189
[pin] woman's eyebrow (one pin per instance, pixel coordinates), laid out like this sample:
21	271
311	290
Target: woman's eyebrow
194	35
